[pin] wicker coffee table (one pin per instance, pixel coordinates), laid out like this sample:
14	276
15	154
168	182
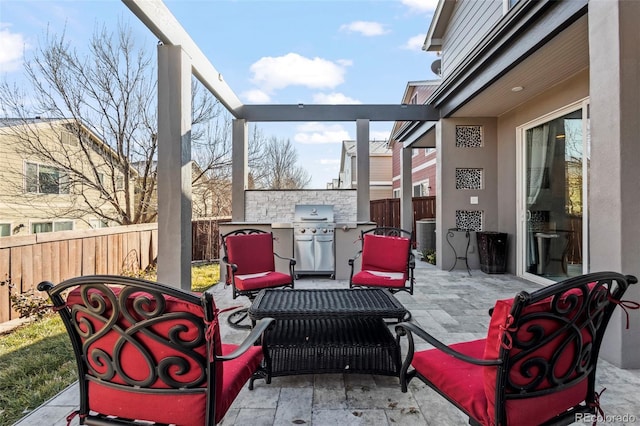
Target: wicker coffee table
329	331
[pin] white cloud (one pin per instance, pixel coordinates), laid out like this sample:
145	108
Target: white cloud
366	28
334	99
272	73
415	42
421	5
256	96
329	161
317	133
12	46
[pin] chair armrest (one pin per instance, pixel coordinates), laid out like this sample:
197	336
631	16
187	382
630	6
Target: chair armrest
249	341
409	329
353	259
412	261
233	266
291	260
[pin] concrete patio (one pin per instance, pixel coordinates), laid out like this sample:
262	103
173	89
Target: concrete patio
450	305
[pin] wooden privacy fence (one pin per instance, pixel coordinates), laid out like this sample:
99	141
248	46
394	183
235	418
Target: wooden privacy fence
27	260
386	212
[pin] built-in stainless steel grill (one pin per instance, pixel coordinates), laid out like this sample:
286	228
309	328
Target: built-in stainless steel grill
313	239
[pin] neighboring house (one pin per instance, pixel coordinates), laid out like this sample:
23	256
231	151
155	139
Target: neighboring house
37	194
423	162
538	138
379	169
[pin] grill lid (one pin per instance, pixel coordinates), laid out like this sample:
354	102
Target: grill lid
313	213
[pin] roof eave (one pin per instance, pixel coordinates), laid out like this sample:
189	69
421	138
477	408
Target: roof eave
439	23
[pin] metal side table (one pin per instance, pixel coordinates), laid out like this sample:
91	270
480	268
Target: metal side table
451	233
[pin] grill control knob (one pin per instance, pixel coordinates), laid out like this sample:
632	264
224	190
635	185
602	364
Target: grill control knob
324	230
302	231
313	230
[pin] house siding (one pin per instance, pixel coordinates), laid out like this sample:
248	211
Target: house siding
21	208
380	192
470	22
380	169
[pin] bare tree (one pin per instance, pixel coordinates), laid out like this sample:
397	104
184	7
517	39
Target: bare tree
106	99
277	166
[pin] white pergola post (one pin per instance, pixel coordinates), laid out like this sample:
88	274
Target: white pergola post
174	167
362	167
239	169
406	189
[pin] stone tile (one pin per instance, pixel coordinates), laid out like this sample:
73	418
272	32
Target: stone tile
294	406
350	417
255	417
262	396
329	392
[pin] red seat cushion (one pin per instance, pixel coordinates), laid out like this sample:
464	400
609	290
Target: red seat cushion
385	253
460	381
258	281
370	278
252	253
179	407
236	374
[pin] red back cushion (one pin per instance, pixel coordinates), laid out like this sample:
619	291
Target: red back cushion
142	352
252	253
560	351
383	253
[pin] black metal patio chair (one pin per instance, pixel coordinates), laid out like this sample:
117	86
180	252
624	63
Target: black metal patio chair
386	260
250	263
537	364
150	353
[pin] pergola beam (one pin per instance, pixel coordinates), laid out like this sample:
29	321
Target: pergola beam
303	112
159	19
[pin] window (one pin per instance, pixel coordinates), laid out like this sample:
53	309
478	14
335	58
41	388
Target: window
5	229
98	223
426	188
68	138
120	183
417	190
507	5
396	193
39	227
101	179
45	179
63	225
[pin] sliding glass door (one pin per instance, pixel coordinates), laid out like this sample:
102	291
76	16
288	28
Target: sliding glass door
554	168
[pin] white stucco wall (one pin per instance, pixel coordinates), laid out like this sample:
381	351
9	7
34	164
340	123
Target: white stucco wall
269	206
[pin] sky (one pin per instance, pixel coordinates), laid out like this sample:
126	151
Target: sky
268	51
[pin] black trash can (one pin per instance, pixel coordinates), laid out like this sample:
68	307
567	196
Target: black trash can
492	249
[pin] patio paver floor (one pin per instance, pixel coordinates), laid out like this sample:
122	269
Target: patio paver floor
452	306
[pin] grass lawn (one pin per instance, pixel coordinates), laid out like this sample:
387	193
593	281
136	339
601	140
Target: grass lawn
36	360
